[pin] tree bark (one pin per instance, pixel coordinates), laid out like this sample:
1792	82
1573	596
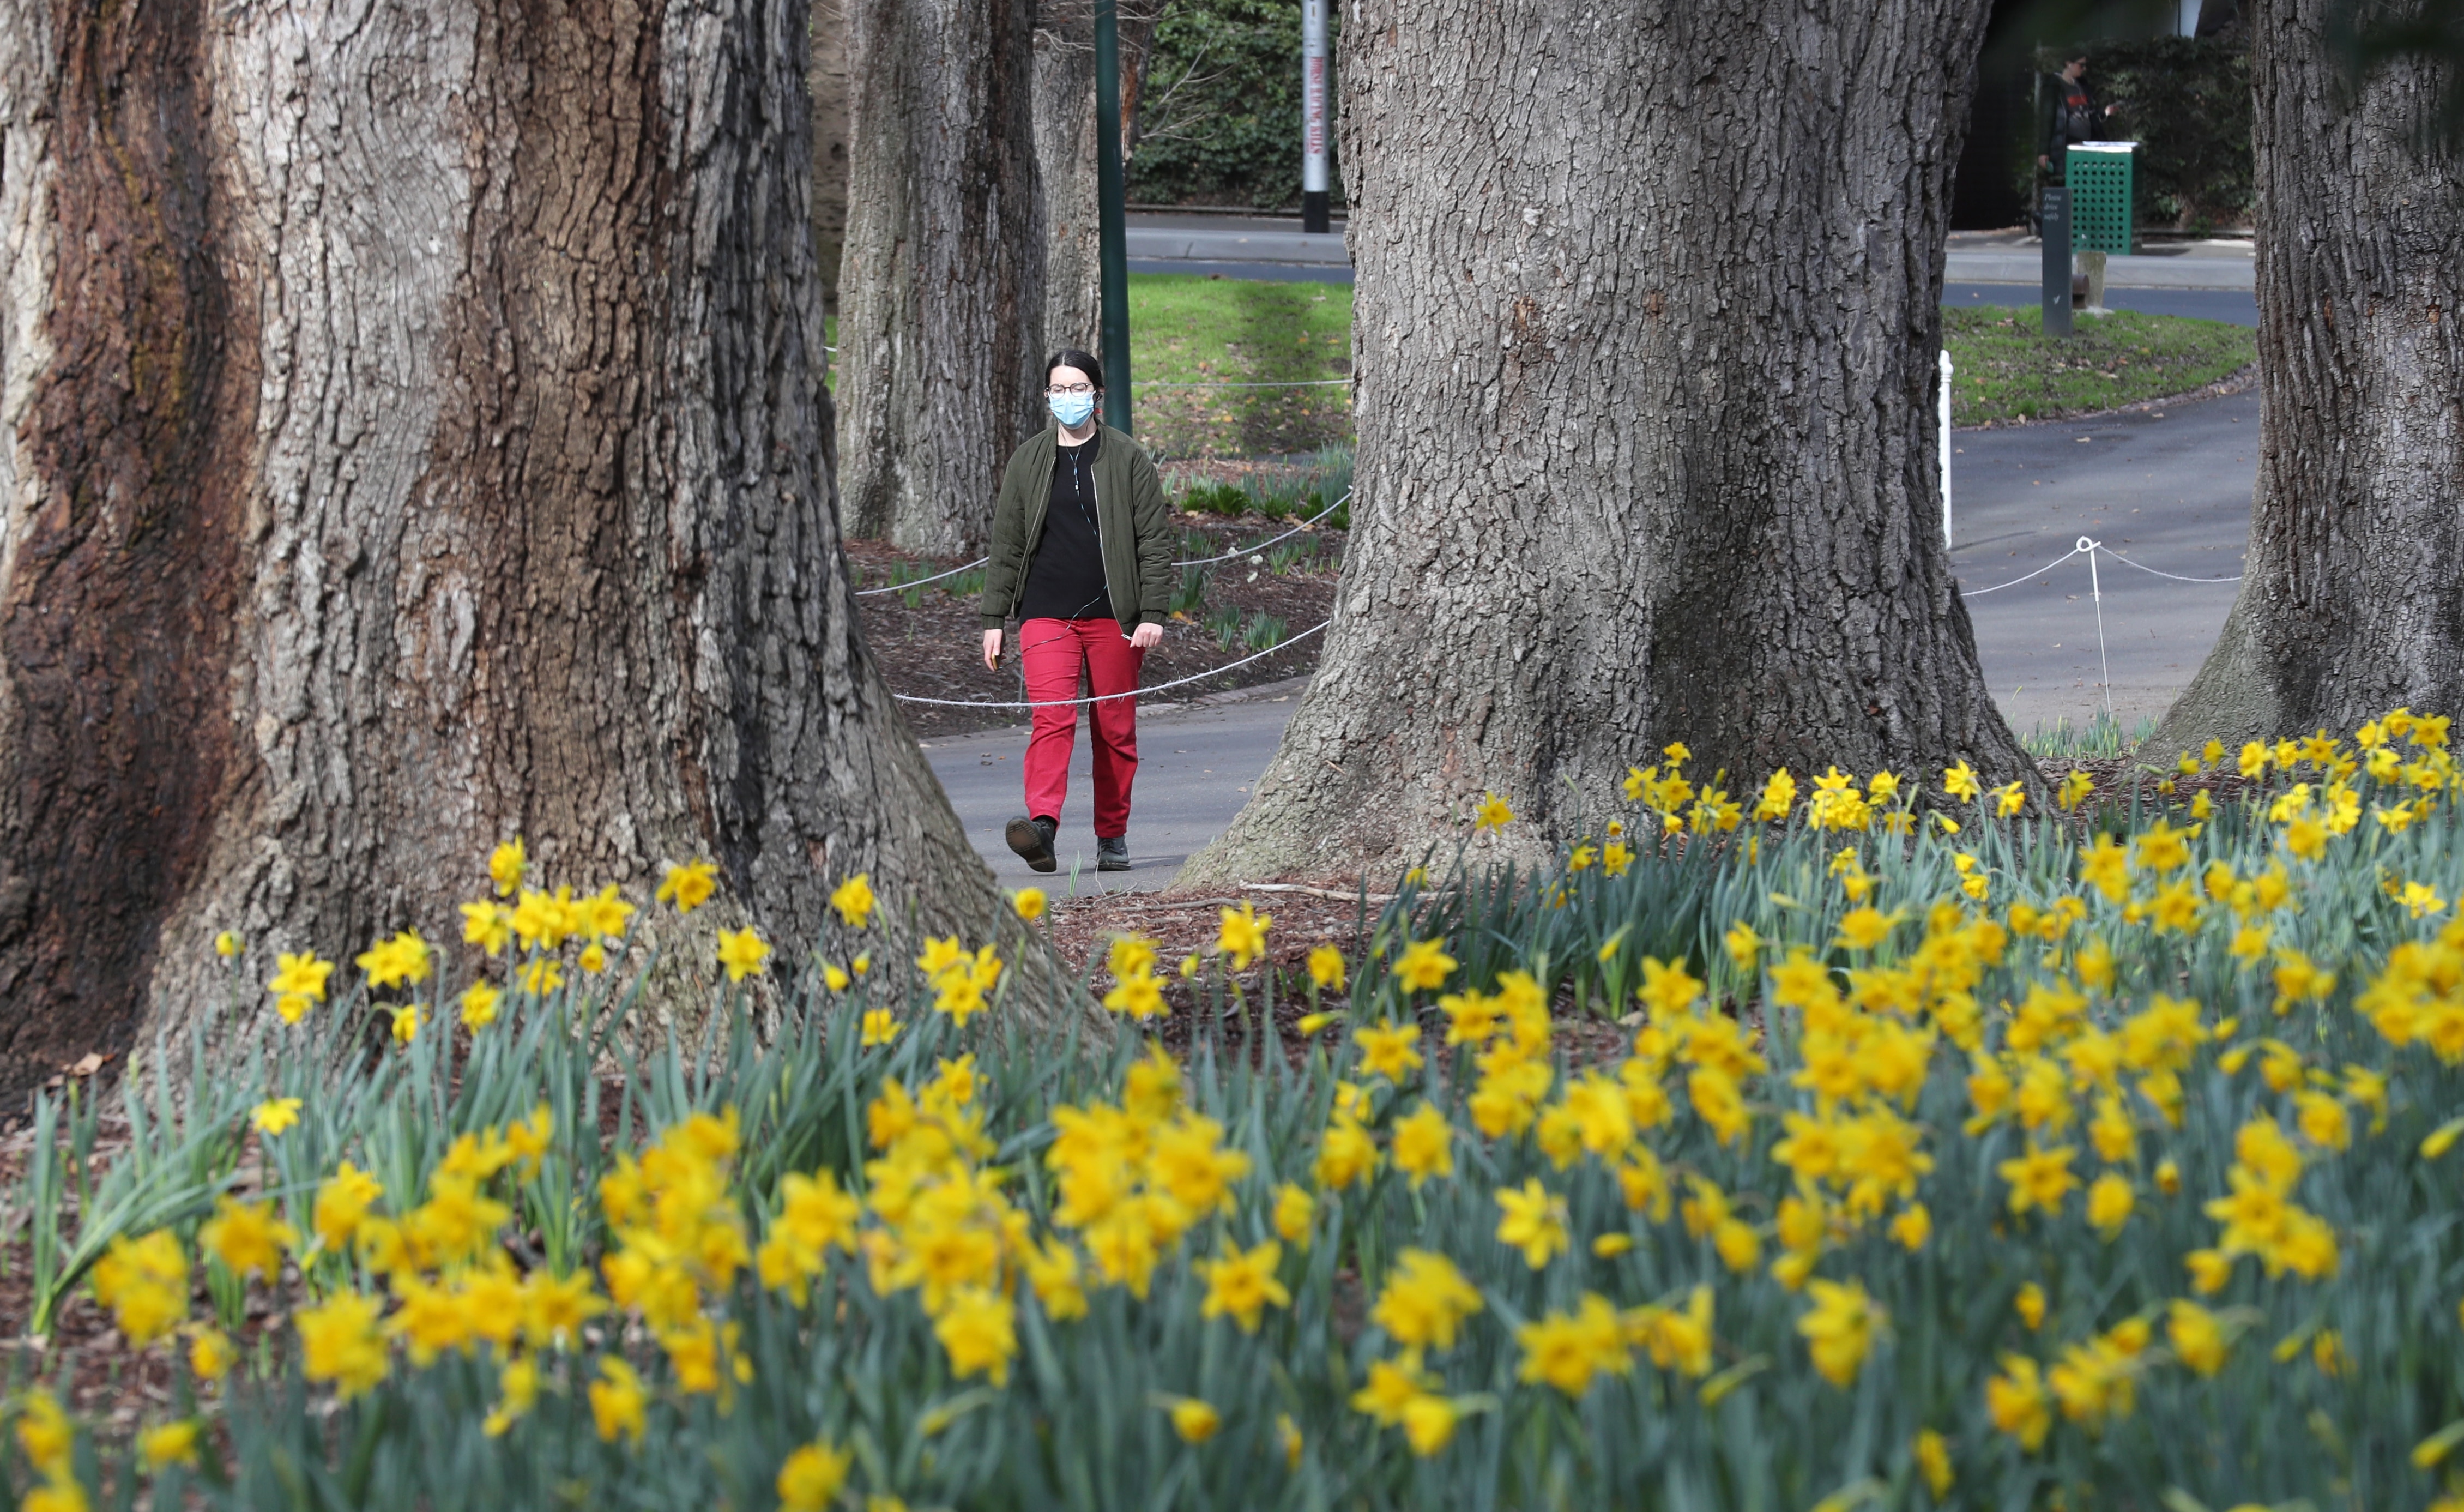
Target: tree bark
828	73
1647	310
2350	602
416	438
1066	160
941	282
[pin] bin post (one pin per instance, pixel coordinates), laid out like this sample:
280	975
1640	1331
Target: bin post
1313	103
2056	223
2103	181
1111	223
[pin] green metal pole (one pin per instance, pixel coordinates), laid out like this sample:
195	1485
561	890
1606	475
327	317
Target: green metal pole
1111	219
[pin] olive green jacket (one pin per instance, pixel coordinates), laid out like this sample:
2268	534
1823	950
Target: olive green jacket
1132	521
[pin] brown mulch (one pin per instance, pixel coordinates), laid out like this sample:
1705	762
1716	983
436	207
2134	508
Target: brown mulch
1082	930
2118	777
84	1355
933	649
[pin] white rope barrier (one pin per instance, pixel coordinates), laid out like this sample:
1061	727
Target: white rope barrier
2087	545
1287	383
1975	593
1270	540
1249	550
896	588
2091	549
2152	572
1134	693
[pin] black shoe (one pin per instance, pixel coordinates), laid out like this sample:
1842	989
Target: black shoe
1112	854
1032	840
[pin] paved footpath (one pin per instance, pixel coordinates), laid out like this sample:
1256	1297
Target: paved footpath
1196	763
2170	489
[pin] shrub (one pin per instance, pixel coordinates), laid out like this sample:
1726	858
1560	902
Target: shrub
1221	122
1216	499
1297	552
1190	596
2186	100
1264	632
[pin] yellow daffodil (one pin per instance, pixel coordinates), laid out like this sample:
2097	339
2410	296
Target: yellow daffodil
275	1115
741	952
688	886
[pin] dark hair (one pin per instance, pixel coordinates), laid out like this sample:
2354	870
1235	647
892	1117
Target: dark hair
1072	357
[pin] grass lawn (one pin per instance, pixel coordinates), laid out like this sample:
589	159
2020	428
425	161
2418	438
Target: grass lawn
1192	329
2006	370
1187	328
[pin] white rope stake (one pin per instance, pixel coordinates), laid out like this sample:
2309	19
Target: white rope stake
897	587
2096	592
1944	429
1054	704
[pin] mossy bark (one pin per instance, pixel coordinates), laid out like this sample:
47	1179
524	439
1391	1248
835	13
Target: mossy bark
416	436
942	279
2352	595
1646	328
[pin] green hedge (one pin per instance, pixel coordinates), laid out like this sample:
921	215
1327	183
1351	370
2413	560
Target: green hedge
2186	100
1231	133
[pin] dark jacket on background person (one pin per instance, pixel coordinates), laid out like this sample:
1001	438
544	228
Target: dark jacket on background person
2068	115
1131	517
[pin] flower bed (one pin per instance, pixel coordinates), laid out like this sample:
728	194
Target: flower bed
1967	1150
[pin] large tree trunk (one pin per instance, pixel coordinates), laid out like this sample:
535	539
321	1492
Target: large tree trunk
2350	600
1066	159
941	282
1646	322
416	436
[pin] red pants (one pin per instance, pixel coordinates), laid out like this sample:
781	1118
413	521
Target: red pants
1050	653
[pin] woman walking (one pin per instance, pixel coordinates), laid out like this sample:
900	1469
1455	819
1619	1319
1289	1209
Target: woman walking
1081	552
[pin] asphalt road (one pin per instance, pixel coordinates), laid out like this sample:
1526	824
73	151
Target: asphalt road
1196	764
2169	489
1990	267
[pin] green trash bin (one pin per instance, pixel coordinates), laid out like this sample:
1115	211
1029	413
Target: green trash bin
2103	179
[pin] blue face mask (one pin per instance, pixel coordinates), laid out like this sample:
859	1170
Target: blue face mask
1071	408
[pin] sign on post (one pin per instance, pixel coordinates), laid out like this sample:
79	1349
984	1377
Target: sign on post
2056	224
1314	207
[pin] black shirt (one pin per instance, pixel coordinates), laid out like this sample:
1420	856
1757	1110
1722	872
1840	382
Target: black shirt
1065	578
2069	116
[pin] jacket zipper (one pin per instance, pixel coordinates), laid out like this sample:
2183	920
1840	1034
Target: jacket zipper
1017	594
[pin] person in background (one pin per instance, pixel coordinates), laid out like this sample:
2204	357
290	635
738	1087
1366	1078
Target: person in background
2066	116
1081	555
